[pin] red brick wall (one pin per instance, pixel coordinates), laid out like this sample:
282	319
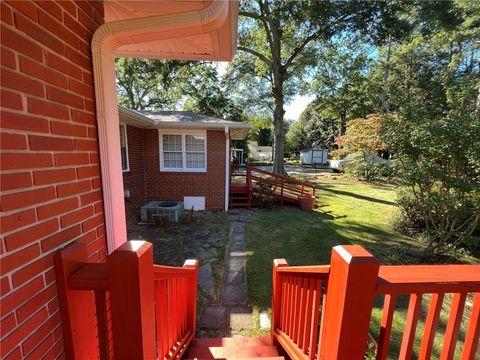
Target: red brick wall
174	186
50	175
134	180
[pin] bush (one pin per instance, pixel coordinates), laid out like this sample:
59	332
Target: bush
264	197
359	167
439	168
443	221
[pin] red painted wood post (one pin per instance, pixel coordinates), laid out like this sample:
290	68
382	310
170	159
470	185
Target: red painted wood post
276	295
77	308
130	273
192	296
349	302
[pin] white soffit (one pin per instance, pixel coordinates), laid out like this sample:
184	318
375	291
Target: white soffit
219	44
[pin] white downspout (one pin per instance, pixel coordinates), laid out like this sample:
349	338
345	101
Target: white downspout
227	167
105	43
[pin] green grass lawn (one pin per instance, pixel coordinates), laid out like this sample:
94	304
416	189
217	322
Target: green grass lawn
350	212
355	213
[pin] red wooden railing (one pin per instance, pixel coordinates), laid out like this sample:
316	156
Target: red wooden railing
439	281
324	312
175	303
126	308
295	315
284	187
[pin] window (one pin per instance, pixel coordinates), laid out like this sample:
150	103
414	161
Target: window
183	152
124	147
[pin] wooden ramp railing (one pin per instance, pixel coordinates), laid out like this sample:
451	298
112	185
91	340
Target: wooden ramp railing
284	188
324	312
126	308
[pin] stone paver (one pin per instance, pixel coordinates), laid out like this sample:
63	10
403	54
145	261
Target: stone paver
205	280
232	312
214	317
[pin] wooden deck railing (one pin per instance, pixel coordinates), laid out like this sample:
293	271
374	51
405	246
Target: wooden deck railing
175	308
126	308
284	187
324	312
438	281
296	315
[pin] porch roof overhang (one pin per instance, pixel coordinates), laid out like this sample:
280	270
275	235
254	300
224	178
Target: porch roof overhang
181	120
216	40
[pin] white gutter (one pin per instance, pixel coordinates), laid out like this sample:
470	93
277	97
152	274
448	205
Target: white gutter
106	42
227	167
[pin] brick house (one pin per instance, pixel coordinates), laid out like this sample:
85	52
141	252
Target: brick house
176	156
59	119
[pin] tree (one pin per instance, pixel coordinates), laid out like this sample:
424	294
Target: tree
312	129
435	135
170	85
342	83
364	136
145	83
280	39
204	94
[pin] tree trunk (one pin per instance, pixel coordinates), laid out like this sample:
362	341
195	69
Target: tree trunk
477	105
278	78
384	107
343	122
278	112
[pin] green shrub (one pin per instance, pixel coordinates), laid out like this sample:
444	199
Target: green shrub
359	167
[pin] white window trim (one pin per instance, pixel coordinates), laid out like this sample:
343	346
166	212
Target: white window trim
126	148
183	133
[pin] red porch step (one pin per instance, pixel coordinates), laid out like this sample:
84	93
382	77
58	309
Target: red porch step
234	348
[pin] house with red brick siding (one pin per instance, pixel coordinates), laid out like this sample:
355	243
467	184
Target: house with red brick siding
73	287
59	122
176	156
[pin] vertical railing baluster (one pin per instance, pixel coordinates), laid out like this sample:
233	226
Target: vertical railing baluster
303	312
287	304
314	331
309	309
291	301
453	326
296	308
386	326
102	324
431	322
170	312
160	305
284	303
413	312
473	332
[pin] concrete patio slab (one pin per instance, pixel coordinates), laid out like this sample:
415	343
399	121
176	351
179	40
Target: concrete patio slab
241	317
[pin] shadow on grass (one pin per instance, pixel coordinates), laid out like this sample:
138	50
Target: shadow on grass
307	239
356	196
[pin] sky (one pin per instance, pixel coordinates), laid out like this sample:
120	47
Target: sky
292	110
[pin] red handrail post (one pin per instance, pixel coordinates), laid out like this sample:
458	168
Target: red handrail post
276	295
349	302
192	296
130	273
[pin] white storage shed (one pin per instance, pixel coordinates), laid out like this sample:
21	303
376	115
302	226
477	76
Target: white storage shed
313	156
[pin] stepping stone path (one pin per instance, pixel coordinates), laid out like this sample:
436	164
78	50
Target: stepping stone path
232	311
